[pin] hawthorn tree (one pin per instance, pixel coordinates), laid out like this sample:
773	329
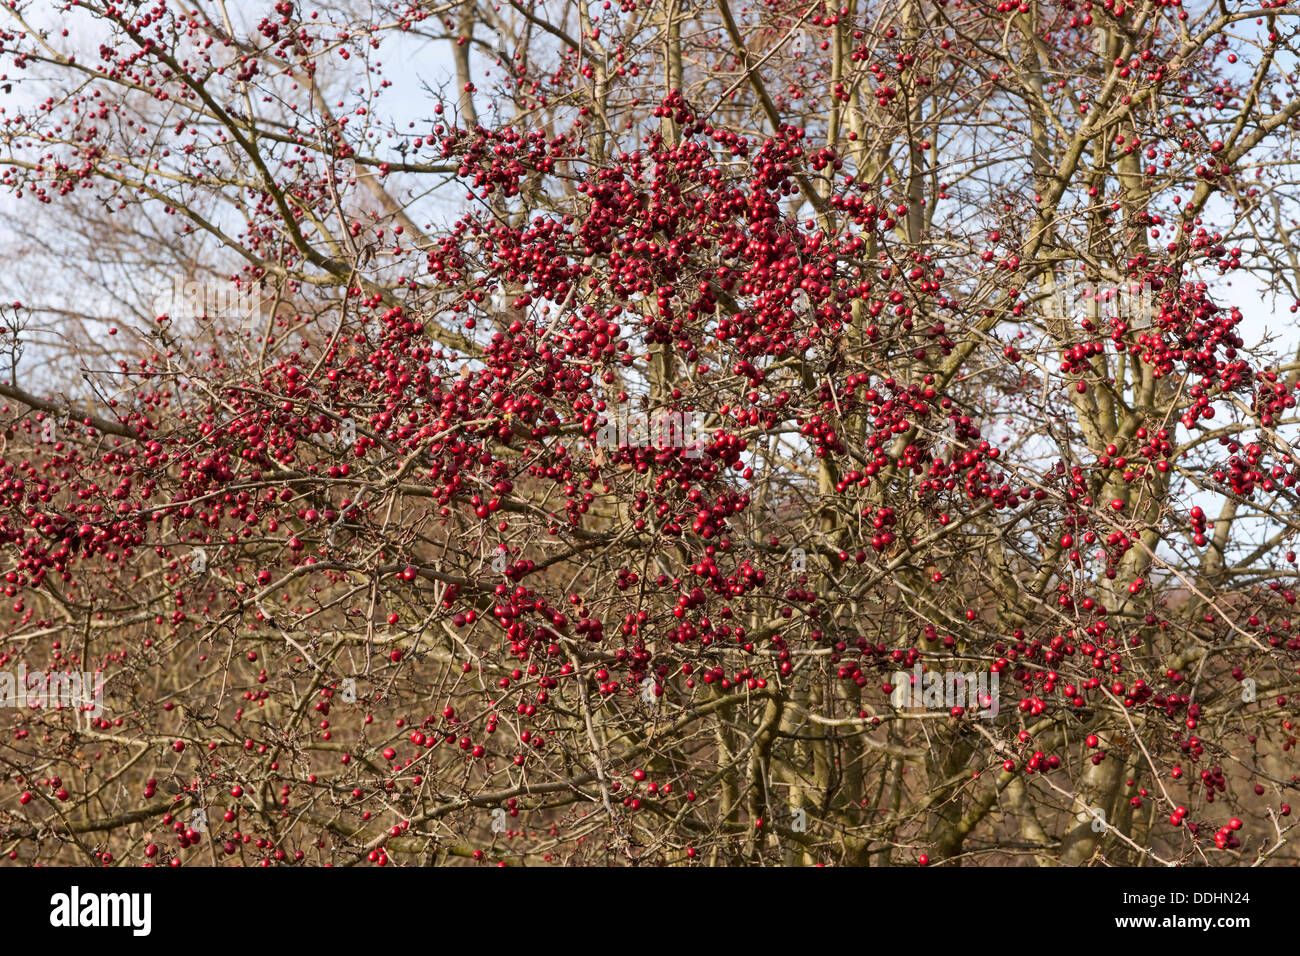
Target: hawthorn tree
953	288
